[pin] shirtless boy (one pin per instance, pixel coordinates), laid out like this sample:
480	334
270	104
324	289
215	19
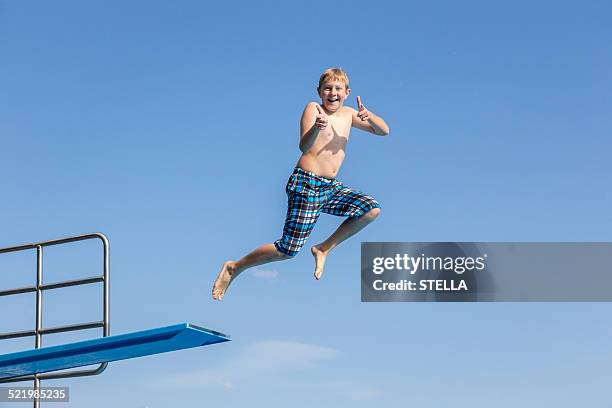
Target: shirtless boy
312	187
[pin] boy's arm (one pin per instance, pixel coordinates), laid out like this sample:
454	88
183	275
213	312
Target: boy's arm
365	120
313	120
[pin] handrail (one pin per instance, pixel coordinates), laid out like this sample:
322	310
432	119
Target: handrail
39	331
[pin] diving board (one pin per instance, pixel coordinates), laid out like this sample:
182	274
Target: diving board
106	349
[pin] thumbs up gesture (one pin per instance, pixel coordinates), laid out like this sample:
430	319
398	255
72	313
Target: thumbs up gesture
362	113
321	120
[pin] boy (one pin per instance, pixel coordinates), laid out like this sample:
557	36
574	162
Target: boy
312	188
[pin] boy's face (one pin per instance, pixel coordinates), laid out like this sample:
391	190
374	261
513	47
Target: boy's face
333	94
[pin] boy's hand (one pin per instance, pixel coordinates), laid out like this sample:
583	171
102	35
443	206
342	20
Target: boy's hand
322	119
363	113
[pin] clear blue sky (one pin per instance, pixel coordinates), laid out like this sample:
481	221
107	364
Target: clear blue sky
173	126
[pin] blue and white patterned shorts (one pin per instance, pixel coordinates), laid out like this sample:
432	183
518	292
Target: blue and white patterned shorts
308	196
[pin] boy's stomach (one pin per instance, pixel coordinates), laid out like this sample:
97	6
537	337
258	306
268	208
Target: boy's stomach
325	165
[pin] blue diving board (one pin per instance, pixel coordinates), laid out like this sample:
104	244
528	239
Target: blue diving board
105	349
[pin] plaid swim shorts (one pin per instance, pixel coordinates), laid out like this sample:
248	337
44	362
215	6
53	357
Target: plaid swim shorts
309	195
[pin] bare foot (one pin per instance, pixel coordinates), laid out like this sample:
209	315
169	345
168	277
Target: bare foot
320	258
223	280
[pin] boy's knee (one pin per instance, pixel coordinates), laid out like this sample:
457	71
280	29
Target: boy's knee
281	255
372	214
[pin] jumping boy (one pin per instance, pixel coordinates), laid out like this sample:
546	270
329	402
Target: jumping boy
312	187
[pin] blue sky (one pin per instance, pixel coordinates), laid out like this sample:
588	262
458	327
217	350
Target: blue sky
173	126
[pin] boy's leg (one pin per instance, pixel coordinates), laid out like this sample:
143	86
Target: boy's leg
231	269
302	214
362	210
346	230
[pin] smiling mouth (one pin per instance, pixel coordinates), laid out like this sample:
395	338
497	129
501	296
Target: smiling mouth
332	100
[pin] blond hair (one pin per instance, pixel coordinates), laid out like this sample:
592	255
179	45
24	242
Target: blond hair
333	74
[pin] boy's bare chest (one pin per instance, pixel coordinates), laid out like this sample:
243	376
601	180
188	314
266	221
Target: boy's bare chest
338	130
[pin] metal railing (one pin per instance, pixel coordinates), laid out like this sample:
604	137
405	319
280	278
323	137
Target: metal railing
39	288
